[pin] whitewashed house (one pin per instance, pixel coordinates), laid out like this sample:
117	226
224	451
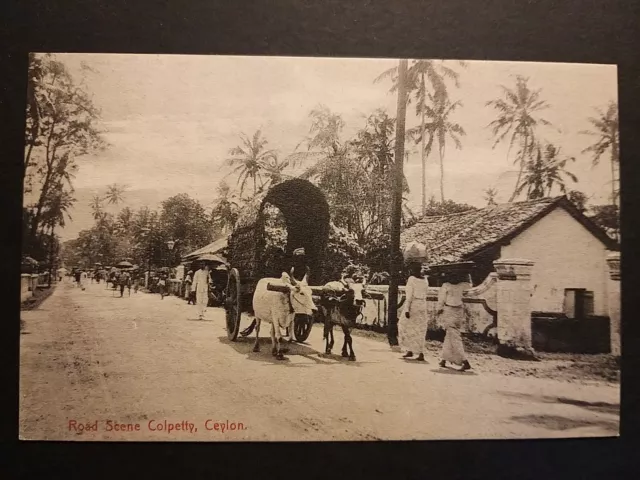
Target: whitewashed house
568	250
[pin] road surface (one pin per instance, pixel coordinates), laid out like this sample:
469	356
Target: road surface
98	367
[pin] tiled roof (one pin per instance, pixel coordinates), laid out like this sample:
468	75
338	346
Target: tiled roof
212	248
457	237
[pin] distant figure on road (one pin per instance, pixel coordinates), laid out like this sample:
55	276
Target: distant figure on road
125	281
188	281
451	310
83	279
201	281
77	278
162	283
413	323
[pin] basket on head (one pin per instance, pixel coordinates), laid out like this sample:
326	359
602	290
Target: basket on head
414	252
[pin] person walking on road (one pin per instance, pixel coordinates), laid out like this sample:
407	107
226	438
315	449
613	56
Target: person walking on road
162	282
451	311
188	281
201	281
136	282
413	323
83	279
125	281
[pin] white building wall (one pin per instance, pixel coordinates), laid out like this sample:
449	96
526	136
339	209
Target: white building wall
566	255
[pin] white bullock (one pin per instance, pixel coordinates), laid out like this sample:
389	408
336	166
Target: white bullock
274	308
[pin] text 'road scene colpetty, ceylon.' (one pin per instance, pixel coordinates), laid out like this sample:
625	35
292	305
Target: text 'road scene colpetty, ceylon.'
165	426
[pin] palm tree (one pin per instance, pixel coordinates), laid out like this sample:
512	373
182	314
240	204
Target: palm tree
226	208
442	128
324	142
544	172
97	207
436	72
606	131
115	194
517	119
490	196
273	172
250	159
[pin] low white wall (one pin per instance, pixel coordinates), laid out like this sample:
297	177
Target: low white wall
25	287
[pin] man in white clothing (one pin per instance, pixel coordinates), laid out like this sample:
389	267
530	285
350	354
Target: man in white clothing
200	286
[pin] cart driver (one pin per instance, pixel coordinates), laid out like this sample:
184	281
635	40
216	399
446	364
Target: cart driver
299	272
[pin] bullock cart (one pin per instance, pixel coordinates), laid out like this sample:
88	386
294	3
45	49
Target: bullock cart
251	257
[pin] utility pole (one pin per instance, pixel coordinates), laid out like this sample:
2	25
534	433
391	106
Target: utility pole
396	212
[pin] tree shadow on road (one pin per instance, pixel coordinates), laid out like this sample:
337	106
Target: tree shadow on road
244	345
600	407
560	423
453	371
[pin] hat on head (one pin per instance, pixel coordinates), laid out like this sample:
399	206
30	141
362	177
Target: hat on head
298	251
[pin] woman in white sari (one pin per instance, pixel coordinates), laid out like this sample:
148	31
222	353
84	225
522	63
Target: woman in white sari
451	312
413	323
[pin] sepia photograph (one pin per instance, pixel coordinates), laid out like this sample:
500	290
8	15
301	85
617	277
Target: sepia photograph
245	248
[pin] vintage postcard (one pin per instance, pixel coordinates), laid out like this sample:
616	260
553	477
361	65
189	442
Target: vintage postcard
224	248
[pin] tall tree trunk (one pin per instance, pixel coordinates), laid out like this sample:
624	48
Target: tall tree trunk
441	151
394	270
51	252
613	175
424	167
613	182
50	160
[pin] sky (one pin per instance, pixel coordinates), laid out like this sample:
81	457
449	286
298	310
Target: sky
170	121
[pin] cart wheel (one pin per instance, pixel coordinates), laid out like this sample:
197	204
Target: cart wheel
232	305
302	327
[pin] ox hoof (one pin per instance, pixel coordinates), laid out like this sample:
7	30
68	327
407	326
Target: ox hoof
280	356
274	352
256	348
352	358
345	354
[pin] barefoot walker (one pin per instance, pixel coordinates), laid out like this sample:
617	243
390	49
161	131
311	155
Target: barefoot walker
451	312
200	286
413	321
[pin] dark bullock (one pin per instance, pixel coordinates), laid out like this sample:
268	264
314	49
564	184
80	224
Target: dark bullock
342	304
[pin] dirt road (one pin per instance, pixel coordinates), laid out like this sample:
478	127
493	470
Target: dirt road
90	360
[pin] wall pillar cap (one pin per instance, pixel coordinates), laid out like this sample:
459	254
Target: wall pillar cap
514	261
612	255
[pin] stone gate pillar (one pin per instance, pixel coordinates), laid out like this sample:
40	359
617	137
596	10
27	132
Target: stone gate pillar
613	293
514	292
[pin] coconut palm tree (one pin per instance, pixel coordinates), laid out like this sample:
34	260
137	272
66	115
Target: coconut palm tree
442	127
606	130
274	172
250	159
97	207
115	194
427	79
490	196
226	208
544	172
518	117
